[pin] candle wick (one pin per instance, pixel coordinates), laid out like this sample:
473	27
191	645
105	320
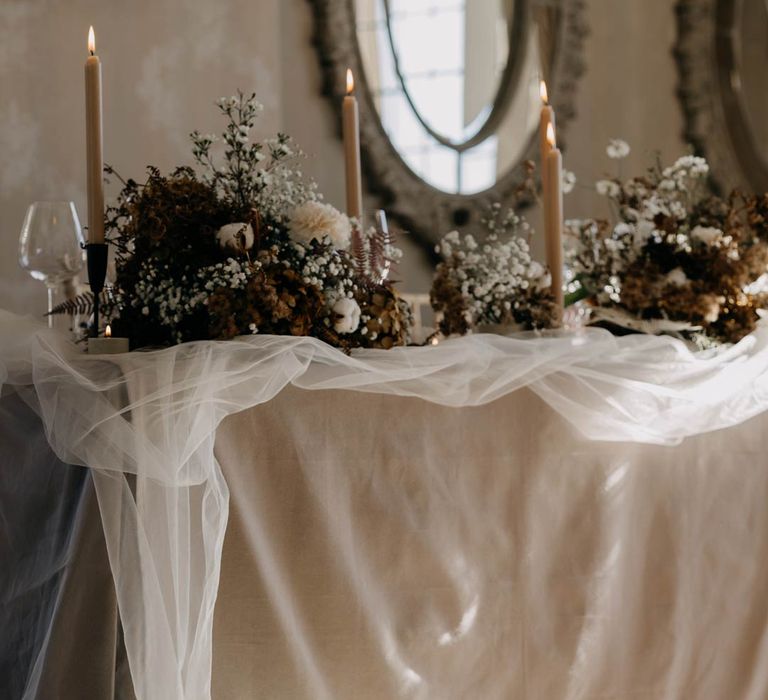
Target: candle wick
91	52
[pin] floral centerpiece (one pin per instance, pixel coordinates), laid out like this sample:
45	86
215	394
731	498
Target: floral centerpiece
676	259
246	246
492	281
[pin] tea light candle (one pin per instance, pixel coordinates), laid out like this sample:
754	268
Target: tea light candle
107	345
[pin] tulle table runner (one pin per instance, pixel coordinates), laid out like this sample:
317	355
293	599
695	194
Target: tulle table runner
155	415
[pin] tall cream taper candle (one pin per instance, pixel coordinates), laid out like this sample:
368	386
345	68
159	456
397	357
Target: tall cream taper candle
552	181
546	118
351	131
94	143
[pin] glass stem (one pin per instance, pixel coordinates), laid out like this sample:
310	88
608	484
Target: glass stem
50	306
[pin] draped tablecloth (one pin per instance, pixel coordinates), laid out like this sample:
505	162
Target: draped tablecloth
494	517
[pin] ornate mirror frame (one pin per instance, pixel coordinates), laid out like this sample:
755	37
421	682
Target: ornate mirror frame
716	122
425	211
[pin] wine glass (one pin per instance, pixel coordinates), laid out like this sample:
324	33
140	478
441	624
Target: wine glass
50	245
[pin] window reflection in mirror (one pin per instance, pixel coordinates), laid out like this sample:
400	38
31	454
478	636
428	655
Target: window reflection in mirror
434	69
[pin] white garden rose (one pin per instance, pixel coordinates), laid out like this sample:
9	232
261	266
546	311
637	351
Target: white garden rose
535	269
623	229
539	275
617	149
690	166
347	315
543	282
713	311
643	231
235	236
677	277
569	181
315	220
706	234
607	188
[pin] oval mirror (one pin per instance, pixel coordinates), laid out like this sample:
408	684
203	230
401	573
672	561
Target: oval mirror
722	57
449	96
440	102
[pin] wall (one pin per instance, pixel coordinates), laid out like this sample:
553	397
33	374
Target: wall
166	61
628	92
164	64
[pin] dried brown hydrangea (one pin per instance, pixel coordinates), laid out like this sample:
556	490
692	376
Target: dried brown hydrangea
276	301
677	254
387	319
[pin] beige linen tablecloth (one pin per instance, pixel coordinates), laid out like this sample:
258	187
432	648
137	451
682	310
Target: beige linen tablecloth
382	547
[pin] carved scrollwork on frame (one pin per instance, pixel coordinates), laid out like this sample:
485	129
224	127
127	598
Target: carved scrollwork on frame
721	67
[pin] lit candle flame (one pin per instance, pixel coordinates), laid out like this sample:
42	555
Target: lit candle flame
108	331
350	82
543	92
551	135
91	41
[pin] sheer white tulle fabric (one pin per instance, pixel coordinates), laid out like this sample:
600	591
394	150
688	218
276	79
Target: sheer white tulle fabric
154	415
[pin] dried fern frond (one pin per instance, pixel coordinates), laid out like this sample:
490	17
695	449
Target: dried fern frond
359	253
82	304
381	244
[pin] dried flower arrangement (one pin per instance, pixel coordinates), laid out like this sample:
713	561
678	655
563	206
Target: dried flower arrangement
677	260
493	281
247	247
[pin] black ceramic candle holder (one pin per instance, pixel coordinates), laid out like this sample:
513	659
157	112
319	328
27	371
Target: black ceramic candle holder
97	272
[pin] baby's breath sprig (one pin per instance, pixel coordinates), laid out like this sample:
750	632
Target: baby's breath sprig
254	175
493	280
